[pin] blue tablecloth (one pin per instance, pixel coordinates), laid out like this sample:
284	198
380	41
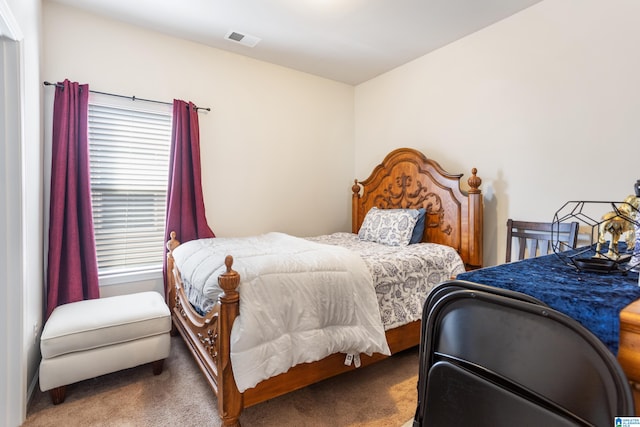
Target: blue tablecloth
592	298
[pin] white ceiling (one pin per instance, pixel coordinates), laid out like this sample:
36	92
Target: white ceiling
350	41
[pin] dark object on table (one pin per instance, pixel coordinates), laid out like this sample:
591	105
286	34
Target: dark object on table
598	265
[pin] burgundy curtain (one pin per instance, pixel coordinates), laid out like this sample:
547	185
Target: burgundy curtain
72	269
185	204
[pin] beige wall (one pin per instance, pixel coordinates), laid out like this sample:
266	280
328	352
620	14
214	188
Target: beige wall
544	104
277	147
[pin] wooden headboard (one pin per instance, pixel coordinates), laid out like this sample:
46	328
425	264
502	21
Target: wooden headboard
407	179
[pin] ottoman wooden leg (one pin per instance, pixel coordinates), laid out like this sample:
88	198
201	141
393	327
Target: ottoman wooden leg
174	331
58	394
157	366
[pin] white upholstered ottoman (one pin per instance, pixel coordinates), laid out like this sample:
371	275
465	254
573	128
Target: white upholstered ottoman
85	339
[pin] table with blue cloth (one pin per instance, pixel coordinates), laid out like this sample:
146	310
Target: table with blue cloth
594	299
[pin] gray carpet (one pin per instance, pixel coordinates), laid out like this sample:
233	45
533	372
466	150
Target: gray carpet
381	395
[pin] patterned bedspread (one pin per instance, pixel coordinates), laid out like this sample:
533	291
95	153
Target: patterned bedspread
403	276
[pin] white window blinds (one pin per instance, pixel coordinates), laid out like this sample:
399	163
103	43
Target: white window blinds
129	161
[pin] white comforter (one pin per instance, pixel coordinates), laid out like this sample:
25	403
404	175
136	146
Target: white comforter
300	301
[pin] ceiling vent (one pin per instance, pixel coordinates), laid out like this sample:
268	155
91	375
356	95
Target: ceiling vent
243	39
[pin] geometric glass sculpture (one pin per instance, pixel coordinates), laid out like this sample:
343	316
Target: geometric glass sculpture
607	237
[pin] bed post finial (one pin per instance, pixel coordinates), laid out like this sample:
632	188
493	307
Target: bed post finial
474	182
355	187
173	242
230	279
355	213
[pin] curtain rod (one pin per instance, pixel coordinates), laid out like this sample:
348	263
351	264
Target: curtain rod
133	98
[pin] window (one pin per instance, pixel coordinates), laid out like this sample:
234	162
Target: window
129	162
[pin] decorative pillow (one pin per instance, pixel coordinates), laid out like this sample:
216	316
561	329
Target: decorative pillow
392	227
418	230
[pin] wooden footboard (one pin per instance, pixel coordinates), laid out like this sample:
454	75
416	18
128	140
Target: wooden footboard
405	179
208	339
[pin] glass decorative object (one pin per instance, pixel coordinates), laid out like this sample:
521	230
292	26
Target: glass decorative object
608	237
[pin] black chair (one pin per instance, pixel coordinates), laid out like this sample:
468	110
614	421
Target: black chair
536	238
453	285
493	359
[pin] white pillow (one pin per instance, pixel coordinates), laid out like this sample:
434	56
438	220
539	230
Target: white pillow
392	227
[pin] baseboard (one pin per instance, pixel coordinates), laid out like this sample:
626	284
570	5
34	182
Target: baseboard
32	386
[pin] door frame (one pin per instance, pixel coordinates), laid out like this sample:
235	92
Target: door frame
13	364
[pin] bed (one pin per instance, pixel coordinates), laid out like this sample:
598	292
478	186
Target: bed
405	179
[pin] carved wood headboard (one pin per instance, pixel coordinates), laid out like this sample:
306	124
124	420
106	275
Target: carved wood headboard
407	179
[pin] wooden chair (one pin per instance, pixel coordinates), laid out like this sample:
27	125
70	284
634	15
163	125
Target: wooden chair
535	238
